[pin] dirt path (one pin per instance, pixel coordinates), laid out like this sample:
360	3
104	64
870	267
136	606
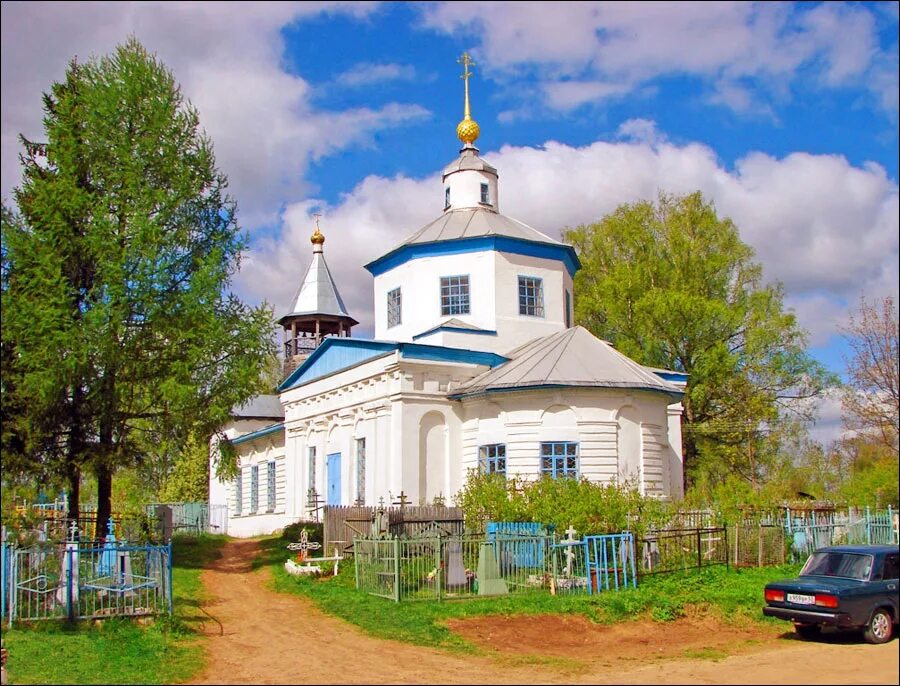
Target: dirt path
270	638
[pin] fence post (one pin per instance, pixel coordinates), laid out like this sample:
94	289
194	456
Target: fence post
699	551
736	539
396	569
868	526
439	555
171	593
759	546
70	606
725	533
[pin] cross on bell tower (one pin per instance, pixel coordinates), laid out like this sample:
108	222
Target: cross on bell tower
317	309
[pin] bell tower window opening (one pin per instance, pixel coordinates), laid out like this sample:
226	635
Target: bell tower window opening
447	197
485	194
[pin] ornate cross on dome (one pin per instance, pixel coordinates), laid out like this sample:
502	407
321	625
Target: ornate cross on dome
467	131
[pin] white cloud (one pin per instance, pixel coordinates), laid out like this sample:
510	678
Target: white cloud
367	73
743	50
265	129
823	227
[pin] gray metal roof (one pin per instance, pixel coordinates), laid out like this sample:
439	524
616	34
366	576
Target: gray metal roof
573	357
317	293
472	223
260	406
468	159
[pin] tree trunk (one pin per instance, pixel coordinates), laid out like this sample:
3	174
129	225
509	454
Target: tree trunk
104	499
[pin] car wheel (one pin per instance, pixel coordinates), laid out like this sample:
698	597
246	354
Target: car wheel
808	630
880	627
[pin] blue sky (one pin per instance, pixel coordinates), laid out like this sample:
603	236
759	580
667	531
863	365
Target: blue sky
785	115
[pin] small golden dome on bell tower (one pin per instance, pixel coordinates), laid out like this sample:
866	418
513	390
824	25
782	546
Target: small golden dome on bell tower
318	238
467	130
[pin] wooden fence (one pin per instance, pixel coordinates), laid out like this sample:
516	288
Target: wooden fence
345	522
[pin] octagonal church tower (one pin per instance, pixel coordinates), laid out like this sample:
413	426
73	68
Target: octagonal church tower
473	278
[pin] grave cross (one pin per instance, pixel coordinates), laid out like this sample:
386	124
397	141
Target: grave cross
73	531
402	499
304	546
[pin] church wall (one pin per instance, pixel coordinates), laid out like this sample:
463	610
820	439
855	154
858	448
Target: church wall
245	521
523	420
419	281
465	189
513	328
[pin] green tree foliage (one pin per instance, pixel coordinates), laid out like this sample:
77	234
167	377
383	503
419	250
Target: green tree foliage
189	479
121	329
672	285
590	507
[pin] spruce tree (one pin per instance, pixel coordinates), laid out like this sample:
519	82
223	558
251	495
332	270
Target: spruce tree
117	315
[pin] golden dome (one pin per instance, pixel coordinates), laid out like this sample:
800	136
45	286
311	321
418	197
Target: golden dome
467	130
317	238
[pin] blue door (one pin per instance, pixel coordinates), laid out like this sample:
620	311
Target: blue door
334	479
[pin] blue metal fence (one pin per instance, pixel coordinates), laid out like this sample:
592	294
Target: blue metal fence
76	581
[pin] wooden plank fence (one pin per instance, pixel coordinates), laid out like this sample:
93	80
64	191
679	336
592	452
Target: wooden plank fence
343	523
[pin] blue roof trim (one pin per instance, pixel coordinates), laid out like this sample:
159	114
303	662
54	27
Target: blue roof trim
440	353
668	375
455	329
349	352
536	387
519	246
354	351
275	428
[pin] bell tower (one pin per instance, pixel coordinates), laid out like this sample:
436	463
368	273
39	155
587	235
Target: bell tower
317	310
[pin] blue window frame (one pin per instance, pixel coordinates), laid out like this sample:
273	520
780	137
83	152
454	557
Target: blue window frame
270	486
360	471
254	488
454	295
531	296
492	458
394	308
559	460
239	492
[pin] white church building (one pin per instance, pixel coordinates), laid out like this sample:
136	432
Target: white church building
475	365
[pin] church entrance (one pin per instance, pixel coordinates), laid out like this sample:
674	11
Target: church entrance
333	466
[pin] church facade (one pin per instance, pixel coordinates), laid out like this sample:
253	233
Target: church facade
475	365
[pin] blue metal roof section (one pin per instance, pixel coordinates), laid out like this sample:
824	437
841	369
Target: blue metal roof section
339	353
265	431
405	253
670	375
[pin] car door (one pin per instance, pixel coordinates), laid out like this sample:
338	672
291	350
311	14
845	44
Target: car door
891	579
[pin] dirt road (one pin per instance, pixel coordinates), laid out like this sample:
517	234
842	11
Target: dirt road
270	638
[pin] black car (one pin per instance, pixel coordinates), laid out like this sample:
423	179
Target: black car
845	586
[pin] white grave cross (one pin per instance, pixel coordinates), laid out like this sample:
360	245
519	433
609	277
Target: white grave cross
304	546
570	541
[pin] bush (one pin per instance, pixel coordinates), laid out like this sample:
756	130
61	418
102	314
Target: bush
590	507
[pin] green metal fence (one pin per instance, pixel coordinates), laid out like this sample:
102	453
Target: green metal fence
452	567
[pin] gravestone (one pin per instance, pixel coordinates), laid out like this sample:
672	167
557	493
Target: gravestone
489	580
453	564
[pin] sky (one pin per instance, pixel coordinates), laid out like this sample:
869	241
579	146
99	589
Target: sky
784	115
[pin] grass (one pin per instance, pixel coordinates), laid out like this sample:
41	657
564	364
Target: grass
119	651
733	595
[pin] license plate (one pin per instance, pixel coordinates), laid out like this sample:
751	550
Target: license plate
801	599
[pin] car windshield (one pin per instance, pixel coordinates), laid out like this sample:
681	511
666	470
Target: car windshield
847	565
